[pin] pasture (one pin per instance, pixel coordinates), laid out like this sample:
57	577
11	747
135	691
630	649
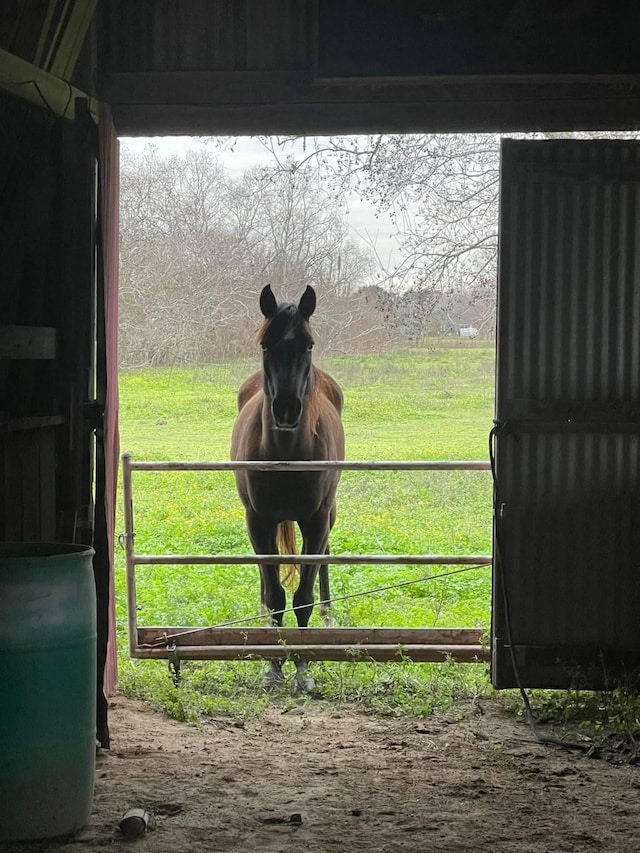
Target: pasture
422	403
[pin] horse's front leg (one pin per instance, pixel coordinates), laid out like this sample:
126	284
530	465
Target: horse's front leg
315	539
272	595
274	602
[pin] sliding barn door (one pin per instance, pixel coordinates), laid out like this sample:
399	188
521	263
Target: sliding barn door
566	608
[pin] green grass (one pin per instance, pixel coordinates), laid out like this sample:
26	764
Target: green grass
413	404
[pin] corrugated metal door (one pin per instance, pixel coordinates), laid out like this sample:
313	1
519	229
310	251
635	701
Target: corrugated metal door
566	606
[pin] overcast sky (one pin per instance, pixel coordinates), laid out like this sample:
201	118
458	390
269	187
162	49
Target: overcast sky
365	226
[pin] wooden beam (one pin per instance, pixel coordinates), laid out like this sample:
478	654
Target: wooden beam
285	637
44	32
292	102
375	117
424	645
27	81
288	87
419	653
70	45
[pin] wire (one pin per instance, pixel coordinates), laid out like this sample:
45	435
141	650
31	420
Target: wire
545	740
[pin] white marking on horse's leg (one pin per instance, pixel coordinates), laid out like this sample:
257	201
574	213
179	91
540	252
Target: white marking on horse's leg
326	614
303	681
266	614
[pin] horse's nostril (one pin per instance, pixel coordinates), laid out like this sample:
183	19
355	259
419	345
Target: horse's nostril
287	411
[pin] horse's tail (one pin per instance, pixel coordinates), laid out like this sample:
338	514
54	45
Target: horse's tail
286	539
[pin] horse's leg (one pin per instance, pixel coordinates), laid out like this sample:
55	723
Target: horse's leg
315	536
272	595
264	610
325	595
325	592
274	603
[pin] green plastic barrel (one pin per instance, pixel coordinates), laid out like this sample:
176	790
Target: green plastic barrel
47	689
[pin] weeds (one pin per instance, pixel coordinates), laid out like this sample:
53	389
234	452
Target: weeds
234	690
606	722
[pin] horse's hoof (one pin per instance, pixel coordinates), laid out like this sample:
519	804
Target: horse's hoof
303	682
273	678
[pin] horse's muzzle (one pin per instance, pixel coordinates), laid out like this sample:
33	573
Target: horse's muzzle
286	412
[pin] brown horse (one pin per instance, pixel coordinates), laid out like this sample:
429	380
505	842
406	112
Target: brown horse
290	410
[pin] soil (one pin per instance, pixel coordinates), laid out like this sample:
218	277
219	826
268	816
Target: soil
316	779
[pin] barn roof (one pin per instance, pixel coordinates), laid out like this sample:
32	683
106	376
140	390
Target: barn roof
308	66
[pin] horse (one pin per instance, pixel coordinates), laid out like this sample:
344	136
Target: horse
289	410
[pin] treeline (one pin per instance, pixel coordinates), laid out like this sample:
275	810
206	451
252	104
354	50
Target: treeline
198	245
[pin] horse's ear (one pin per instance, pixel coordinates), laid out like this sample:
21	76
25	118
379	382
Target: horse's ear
307	304
268	304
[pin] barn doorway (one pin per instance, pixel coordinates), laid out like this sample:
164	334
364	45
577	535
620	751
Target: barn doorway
412	349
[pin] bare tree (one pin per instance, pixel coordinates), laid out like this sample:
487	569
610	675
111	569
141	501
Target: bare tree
197	247
442	193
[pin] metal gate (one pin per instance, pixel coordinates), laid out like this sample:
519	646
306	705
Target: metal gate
566	591
230	642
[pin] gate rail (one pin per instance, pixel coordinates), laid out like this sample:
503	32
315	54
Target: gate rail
237	643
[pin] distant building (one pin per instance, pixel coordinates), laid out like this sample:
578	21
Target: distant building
468	332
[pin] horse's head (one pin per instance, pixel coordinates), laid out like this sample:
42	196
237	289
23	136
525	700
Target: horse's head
286	343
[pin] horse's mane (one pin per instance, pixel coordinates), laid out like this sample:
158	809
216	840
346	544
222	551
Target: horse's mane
325	391
286	319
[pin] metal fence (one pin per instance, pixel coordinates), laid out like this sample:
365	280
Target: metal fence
233	642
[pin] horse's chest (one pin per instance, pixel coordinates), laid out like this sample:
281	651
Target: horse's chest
285	496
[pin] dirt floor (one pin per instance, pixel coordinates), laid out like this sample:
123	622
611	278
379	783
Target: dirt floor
317	780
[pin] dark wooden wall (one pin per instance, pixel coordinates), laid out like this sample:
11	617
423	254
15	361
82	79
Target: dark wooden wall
47	179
